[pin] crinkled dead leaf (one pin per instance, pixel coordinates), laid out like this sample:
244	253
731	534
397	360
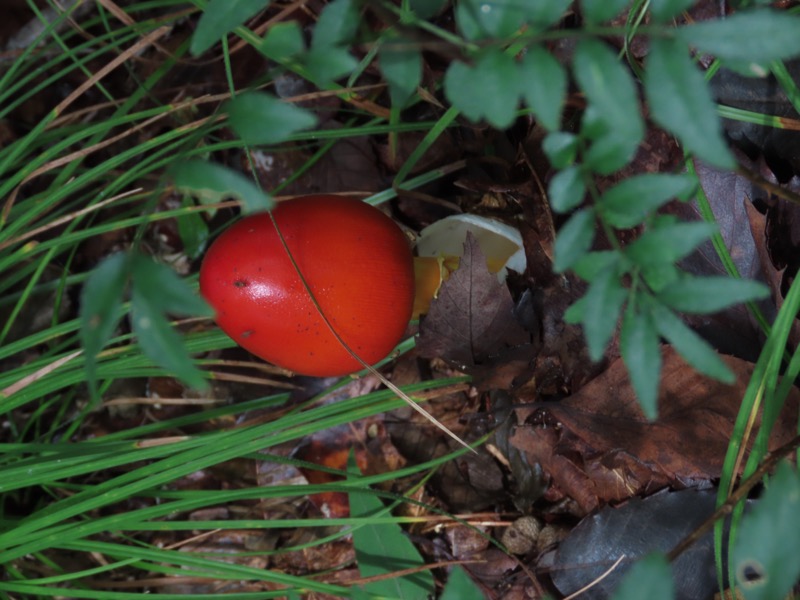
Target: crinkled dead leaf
473	317
597	446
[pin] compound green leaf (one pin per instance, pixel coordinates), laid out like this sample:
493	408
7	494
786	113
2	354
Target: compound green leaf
680	101
326	64
668	243
260	118
566	189
167	292
283	41
213	183
704	295
219	18
694	349
766	554
543	84
631	201
592	263
598	11
650	577
561	148
641	350
193	231
480	19
384	549
574	239
755	36
488	90
425	9
160	342
101	308
544	13
614	120
337	24
401	64
664	10
604	301
459	586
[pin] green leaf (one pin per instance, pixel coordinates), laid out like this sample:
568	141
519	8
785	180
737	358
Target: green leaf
680	101
487	90
598	11
459	586
614	121
650	577
669	243
574	239
167	292
101	308
641	350
283	41
327	64
561	148
575	311
260	118
543	83
592	263
694	349
704	295
401	64
544	13
604	301
159	342
566	189
664	10
661	275
480	19
756	36
631	201
219	18
383	549
425	9
337	24
766	554
213	183
192	230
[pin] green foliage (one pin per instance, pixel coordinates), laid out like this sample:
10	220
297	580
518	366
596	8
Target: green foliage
213	183
101	304
485	90
543	84
598	11
260	119
383	548
633	200
219	18
664	10
766	559
755	36
459	586
650	577
681	102
505	64
401	64
157	291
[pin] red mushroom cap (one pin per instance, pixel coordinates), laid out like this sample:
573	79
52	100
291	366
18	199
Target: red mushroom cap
356	261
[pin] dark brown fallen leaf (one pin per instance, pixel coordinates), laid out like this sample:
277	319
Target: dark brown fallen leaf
597	446
473	317
633	530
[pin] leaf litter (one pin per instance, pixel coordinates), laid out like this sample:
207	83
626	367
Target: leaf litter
570	439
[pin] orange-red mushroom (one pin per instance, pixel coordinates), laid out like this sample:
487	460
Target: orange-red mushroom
356	262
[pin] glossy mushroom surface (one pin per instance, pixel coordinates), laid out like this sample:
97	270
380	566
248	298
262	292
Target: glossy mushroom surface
356	262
